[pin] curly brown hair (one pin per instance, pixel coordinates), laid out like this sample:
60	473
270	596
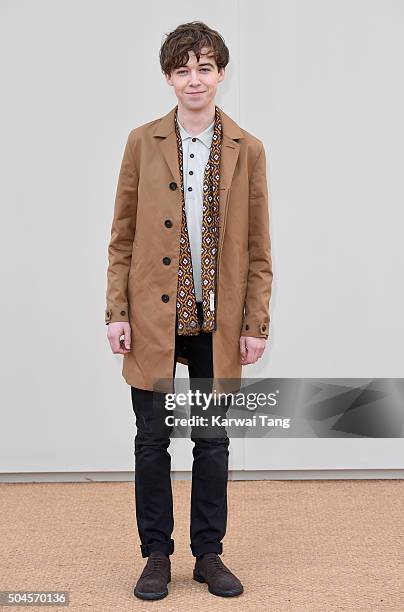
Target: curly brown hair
191	36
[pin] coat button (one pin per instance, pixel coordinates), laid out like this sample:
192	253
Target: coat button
165	297
168	223
173	186
166	260
247	327
123	312
194	140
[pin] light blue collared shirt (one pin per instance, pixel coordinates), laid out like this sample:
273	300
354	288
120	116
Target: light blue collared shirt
195	153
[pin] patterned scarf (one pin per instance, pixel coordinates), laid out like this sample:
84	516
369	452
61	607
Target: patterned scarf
187	316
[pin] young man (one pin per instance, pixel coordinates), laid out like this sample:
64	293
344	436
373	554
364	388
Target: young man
189	280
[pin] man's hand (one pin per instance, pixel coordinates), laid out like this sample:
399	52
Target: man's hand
115	331
251	349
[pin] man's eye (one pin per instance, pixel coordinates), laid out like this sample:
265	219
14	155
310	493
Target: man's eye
184	71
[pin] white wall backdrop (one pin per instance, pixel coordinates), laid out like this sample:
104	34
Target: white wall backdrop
319	82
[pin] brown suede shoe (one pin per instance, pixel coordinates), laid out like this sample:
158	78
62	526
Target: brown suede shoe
221	581
153	580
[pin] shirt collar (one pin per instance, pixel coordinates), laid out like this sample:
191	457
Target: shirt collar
205	136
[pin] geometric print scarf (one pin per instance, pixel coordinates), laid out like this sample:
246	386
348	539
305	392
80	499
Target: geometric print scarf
187	315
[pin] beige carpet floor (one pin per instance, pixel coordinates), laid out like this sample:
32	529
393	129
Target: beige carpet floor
296	545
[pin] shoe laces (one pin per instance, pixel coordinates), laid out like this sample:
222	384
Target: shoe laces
155	563
216	562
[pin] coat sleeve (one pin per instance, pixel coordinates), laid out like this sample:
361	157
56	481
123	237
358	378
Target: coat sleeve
122	236
259	282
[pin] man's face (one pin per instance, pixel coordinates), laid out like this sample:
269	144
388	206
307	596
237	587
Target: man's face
195	84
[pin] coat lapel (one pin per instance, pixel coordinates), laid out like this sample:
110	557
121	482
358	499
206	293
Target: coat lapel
164	130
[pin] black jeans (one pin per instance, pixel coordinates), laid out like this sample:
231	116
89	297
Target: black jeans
153	494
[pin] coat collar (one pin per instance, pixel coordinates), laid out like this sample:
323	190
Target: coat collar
164	130
165	125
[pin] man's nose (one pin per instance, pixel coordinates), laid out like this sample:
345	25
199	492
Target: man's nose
194	78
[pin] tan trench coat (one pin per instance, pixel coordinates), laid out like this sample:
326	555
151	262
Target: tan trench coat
146	228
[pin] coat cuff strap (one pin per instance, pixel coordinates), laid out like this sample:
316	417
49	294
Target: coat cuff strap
118	312
255	329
